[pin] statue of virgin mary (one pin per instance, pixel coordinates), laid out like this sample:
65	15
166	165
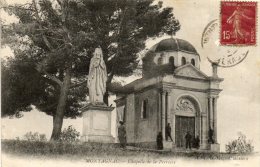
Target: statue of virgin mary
97	78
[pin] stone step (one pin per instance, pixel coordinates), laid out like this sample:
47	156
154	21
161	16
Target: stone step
167	145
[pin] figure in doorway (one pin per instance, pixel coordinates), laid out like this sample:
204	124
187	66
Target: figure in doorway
196	143
168	131
159	141
211	133
122	134
188	138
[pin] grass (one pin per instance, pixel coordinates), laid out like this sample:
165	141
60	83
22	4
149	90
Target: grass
100	150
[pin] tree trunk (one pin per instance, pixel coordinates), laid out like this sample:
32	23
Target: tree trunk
58	117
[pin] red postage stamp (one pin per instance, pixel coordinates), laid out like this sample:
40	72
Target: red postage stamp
238	23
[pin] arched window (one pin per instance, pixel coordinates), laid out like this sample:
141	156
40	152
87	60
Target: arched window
193	62
183	61
171	60
160	61
144	109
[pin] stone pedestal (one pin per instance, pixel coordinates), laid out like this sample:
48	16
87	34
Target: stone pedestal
97	124
214	147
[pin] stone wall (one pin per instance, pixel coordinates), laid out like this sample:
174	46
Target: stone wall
146	129
130	117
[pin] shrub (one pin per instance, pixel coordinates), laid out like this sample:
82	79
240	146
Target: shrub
240	145
35	136
70	135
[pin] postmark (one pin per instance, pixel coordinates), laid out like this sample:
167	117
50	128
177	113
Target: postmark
231	59
211	26
224	56
238	23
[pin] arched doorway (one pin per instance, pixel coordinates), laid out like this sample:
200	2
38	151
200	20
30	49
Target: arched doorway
186	119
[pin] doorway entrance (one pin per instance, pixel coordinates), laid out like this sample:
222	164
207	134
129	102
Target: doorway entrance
183	125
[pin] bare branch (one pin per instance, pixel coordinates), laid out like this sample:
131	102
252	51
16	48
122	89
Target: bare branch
43	36
59	2
53	78
58	39
40	69
79	84
15	7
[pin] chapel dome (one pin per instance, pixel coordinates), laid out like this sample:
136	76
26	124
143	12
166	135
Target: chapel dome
169	54
175	44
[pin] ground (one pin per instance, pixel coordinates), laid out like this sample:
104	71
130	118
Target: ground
28	153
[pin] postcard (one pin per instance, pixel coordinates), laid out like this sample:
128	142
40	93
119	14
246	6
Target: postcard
130	83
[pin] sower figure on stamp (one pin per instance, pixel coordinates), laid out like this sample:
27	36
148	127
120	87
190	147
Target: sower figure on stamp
236	18
188	138
122	134
159	141
97	78
168	130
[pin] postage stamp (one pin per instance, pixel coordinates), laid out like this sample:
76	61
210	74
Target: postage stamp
238	23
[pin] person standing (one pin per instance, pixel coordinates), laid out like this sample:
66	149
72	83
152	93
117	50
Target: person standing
197	142
122	134
188	140
211	133
159	141
168	131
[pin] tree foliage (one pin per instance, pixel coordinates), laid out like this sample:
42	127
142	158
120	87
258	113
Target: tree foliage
24	86
53	43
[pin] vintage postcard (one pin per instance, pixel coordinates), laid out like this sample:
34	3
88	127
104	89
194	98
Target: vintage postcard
130	83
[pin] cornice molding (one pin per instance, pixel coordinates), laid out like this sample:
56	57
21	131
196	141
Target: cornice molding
93	108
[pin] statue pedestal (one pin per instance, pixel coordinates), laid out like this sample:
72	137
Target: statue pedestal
97	124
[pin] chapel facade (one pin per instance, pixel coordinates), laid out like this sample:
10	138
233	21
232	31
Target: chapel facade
172	90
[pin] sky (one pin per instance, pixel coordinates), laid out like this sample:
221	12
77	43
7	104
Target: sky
238	104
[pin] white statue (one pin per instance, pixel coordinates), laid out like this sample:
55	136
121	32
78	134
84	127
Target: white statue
97	77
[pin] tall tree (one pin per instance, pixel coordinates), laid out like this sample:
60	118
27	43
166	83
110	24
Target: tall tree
54	41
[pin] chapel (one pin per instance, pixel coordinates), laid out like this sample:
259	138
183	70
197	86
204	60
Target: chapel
172	90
